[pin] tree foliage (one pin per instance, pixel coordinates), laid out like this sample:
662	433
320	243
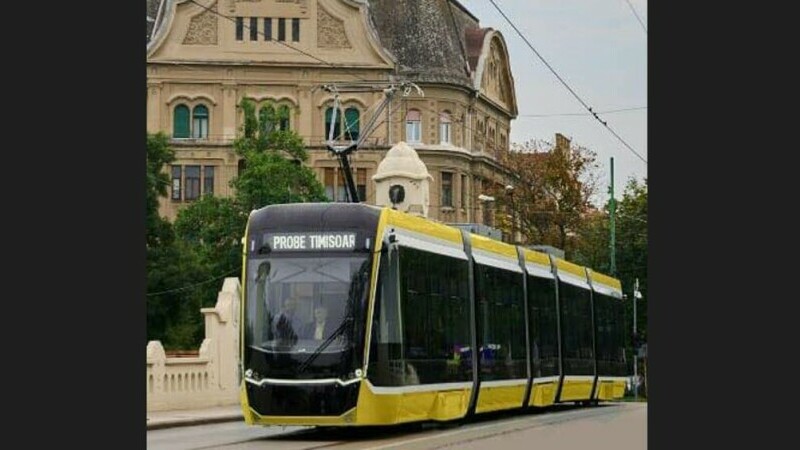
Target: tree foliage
171	314
550	191
593	248
204	245
273	159
158	155
631	244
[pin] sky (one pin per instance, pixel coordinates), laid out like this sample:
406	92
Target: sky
599	48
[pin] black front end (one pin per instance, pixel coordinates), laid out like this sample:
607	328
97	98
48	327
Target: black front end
307	281
302	400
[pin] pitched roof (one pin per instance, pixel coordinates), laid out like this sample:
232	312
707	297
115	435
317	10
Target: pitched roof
152	15
426	37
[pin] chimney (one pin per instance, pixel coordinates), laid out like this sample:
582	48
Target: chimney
562	142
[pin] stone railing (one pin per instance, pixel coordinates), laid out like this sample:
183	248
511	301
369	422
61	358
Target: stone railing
209	379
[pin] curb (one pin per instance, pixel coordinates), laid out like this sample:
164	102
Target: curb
175	423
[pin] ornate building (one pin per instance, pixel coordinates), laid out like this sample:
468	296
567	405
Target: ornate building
205	56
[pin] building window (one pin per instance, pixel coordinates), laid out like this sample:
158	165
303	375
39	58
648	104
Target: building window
254	28
413	126
180	122
336	126
176	182
268	28
347	121
296	30
444	127
283	118
329	183
240	28
208	180
464	203
351	124
200	122
341	187
281	30
241	166
361	184
266	118
447	189
192	182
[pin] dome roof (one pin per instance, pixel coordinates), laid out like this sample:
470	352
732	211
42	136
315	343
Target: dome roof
401	161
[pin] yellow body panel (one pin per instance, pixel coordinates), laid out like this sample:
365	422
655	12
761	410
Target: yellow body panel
419	225
499	397
347	418
386	409
574	269
599	278
576	390
619	389
543	394
374	280
536	257
248	416
493	246
610	389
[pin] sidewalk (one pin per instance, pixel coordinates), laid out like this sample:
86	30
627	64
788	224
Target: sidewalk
188	417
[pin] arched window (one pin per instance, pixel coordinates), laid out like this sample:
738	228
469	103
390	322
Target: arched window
337	129
200	122
413	126
266	119
283	118
180	122
351	124
444	127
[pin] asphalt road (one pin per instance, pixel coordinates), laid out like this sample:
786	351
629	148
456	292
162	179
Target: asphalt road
620	426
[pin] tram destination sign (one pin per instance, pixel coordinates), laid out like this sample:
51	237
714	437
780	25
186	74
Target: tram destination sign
312	241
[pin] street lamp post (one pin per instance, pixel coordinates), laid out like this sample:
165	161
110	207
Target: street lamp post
510	192
636	295
485	200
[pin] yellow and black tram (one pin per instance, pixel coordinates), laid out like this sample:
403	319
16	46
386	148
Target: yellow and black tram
359	315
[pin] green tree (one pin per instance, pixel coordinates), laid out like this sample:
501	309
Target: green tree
631	245
176	269
273	160
631	250
208	232
592	241
159	154
170	262
214	227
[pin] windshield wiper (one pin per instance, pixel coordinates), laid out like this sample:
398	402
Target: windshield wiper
325	344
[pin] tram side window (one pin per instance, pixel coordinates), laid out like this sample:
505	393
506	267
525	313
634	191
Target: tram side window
603	317
424	337
544	326
621	364
610	335
576	319
501	322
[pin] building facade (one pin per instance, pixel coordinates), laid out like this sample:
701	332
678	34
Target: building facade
205	56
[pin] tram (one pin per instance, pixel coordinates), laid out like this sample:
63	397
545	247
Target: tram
358	315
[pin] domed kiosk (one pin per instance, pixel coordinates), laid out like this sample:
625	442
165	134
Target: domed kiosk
402	167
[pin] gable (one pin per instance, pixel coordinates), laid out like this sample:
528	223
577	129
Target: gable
220	31
493	76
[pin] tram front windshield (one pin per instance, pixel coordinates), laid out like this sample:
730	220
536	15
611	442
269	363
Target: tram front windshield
301	313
